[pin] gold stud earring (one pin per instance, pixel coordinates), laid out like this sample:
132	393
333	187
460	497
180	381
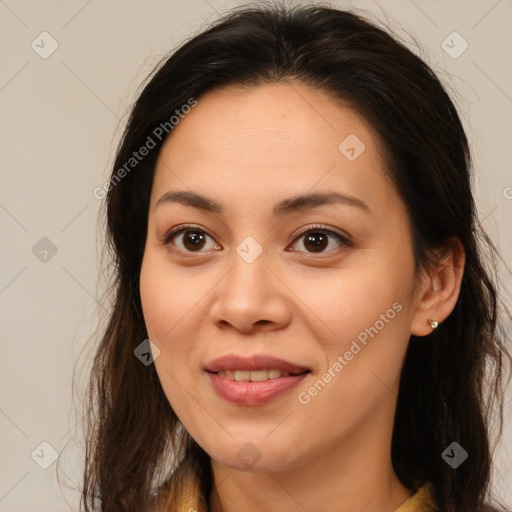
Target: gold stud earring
433	324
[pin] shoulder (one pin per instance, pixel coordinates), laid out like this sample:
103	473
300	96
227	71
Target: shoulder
423	501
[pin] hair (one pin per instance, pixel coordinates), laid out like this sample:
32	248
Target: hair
451	386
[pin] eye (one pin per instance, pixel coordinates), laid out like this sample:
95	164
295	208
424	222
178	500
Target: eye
193	239
316	238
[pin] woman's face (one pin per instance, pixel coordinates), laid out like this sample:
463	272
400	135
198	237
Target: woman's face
243	279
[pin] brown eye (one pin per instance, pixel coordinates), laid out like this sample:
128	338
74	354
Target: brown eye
193	240
316	240
188	239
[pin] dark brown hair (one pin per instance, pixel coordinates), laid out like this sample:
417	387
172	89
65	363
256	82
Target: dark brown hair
451	385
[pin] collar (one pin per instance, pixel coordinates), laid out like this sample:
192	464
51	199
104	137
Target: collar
185	496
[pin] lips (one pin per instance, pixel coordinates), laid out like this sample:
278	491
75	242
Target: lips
253	363
232	377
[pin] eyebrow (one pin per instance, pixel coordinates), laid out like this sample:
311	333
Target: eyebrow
284	207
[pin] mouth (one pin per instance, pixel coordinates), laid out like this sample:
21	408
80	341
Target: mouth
253	364
253	380
256	375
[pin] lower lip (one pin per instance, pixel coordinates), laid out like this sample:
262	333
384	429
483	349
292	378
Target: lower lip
253	393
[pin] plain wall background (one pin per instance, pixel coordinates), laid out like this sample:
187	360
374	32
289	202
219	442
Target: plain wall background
59	117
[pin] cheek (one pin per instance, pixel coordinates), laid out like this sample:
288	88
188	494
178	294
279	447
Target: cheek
171	305
362	328
162	312
340	305
157	306
166	319
166	299
361	361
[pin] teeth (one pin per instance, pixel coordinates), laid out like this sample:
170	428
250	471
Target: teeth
242	375
253	376
257	376
274	374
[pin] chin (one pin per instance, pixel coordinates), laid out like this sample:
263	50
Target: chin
255	456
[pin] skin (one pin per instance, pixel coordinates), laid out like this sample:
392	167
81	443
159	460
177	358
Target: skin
248	148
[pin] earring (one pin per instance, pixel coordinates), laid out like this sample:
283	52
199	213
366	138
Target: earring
433	324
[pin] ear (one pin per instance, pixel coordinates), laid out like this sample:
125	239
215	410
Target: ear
439	289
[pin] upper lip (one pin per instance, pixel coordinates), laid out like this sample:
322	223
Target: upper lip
253	363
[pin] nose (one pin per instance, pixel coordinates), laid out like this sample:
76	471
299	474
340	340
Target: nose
251	298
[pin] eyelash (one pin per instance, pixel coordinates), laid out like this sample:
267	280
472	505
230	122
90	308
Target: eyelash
166	239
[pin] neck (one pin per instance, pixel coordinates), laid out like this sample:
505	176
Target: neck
358	475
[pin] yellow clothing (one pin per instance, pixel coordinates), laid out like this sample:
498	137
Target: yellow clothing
420	501
189	499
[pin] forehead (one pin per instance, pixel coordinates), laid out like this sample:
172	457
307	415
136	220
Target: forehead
272	140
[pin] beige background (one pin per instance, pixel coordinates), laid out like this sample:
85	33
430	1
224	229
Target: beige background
60	119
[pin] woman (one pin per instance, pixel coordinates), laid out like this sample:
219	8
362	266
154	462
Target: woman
303	253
